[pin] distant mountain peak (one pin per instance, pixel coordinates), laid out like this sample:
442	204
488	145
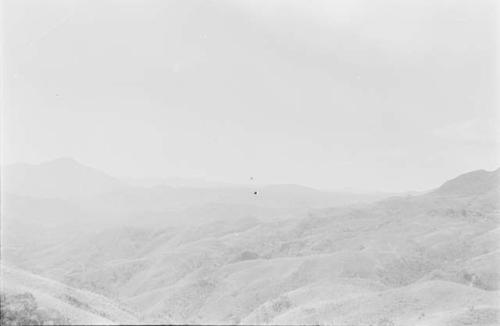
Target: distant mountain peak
63	159
60	178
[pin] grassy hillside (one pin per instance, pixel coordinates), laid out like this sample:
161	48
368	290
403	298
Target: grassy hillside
71	305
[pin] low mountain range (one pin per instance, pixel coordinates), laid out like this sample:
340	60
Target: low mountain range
293	255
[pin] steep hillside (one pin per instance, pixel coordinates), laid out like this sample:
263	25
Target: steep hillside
74	305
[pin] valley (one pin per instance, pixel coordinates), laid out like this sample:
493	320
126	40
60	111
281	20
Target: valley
423	259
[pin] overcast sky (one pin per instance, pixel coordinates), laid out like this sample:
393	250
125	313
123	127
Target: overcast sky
365	94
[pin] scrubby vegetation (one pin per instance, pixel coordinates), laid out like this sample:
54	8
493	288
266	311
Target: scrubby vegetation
22	309
247	255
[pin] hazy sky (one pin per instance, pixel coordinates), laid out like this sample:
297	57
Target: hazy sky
365	94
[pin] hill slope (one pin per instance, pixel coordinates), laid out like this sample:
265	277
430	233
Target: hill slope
77	306
472	183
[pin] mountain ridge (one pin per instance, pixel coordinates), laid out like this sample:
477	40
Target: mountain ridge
345	264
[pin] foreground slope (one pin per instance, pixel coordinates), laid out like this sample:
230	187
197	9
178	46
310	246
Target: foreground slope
75	305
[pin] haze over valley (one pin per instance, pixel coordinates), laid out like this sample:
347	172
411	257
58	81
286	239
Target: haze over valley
98	249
